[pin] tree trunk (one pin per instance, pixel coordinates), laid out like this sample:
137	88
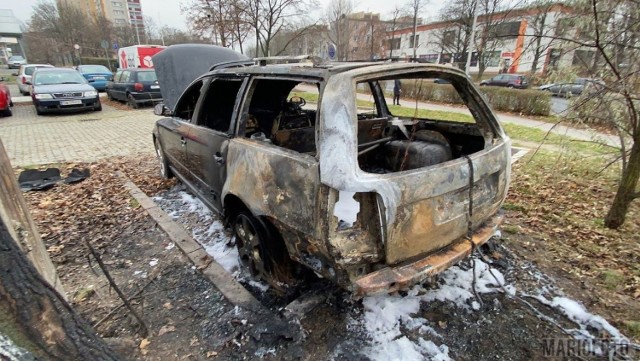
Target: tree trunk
626	189
36	317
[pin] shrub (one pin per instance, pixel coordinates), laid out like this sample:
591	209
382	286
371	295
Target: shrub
527	102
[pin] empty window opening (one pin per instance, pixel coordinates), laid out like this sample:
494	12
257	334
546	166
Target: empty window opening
283	112
401	128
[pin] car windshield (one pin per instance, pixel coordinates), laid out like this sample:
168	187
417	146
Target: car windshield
94	69
147	76
16	57
58	77
30	69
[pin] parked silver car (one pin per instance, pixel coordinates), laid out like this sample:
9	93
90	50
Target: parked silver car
24	76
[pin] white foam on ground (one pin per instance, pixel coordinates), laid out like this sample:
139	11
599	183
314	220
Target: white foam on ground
577	313
385	316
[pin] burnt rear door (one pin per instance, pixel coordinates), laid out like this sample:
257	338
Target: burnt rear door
209	138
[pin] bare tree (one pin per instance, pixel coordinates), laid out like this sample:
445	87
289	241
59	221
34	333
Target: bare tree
337	16
608	39
415	8
540	23
392	26
455	39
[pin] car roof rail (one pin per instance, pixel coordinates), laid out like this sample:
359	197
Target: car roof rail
232	64
287	59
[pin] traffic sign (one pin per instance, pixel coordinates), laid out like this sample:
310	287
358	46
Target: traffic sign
104	44
115	45
331	51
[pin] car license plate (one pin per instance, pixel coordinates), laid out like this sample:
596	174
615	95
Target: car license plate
98	77
70	102
155	87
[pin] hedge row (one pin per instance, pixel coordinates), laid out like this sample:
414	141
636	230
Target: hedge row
523	101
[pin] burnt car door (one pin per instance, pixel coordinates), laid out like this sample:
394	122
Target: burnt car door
209	137
173	131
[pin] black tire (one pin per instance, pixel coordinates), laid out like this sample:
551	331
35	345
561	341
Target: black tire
509	86
39	110
7	112
165	171
131	102
98	107
109	95
262	250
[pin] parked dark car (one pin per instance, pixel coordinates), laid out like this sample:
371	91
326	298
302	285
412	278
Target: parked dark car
135	87
15	61
441	81
371	200
62	89
517	81
96	75
5	99
574	88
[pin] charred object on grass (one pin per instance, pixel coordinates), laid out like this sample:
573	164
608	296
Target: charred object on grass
307	175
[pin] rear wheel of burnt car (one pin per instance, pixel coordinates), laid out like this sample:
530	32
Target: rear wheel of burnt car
165	172
262	251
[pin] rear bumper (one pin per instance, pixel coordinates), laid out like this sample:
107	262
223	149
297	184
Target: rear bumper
391	279
146	97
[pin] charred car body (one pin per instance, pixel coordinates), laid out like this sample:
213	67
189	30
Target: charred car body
373	201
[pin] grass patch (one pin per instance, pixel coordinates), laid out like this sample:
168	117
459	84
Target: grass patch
134	203
513	207
612	279
510	229
632	328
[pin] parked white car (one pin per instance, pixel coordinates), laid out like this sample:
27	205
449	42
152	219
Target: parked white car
24	76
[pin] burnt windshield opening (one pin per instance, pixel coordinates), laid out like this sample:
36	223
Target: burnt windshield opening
412	121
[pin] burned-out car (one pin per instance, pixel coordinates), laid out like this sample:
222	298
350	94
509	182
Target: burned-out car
311	166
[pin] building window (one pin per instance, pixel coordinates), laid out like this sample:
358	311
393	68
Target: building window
445	58
505	30
120	21
417	43
583	58
564	25
554	57
449	38
118	12
116	4
394	44
430	58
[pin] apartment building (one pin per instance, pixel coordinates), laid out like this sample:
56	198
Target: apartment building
119	12
510	41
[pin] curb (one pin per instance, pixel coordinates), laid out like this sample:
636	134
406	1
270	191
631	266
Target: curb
232	290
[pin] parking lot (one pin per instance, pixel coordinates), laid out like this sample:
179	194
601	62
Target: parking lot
32	140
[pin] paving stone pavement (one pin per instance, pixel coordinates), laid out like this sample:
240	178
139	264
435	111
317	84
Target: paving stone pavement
30	139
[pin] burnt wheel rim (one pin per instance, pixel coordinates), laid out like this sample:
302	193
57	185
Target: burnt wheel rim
163	169
249	248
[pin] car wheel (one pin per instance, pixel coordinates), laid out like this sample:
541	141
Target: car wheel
165	171
131	102
98	106
39	110
510	86
7	112
262	251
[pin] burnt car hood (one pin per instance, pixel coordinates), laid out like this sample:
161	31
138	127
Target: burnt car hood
178	65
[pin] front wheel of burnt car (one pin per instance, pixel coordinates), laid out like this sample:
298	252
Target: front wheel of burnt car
165	171
262	251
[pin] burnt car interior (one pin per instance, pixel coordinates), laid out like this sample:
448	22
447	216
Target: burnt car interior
277	115
392	143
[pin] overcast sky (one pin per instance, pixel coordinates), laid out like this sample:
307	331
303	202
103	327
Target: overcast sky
167	12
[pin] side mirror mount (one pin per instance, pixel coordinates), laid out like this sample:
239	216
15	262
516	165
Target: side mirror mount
160	109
